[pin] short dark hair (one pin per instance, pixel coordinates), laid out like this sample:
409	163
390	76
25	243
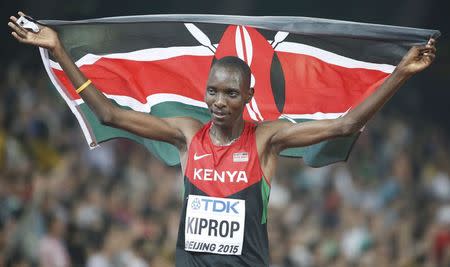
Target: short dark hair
235	63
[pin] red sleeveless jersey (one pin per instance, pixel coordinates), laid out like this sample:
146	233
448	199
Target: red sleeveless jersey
221	171
224	213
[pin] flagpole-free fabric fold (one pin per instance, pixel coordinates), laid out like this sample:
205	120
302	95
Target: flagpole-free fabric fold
302	69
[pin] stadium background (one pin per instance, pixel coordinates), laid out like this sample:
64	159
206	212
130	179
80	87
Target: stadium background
118	206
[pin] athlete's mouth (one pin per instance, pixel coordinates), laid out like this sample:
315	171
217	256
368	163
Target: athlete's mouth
219	114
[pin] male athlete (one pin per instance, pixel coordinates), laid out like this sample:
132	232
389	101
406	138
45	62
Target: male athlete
228	162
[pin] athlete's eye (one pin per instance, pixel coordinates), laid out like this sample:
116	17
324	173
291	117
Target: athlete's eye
233	93
210	91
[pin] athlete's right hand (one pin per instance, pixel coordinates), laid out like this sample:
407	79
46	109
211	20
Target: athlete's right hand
46	37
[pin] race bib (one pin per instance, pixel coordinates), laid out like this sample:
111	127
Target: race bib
214	225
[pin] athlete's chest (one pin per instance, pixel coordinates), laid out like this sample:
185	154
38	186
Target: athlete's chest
222	171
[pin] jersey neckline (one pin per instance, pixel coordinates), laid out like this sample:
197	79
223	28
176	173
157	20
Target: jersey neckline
237	139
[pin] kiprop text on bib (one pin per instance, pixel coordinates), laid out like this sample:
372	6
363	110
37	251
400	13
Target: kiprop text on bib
214	225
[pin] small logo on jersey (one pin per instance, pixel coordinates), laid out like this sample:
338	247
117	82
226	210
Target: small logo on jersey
200	156
196	203
240	157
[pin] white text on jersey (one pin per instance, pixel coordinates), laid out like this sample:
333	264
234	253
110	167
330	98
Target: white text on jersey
222	176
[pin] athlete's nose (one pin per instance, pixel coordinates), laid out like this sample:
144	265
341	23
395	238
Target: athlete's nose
219	101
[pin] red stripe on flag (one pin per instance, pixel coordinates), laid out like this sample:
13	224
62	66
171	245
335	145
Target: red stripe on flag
313	85
184	75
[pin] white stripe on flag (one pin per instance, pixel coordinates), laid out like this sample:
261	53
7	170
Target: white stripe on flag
251	113
248	46
314	116
170	52
144	55
331	58
254	106
239	44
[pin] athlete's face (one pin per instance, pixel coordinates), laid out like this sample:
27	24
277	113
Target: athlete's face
227	92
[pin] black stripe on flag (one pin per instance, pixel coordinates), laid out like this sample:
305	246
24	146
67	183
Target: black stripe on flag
362	41
108	38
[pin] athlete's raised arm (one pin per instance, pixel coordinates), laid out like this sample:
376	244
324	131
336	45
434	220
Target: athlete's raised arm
176	131
282	135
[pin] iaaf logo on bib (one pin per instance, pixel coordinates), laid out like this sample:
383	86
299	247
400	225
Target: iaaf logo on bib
196	204
215	205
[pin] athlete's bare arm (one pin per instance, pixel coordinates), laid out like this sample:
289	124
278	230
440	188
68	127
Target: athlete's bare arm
176	131
275	136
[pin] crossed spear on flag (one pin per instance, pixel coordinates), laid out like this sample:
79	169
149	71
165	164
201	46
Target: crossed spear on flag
204	40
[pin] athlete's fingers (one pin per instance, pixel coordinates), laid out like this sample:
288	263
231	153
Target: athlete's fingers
38	24
17	29
433	48
427	58
430	45
417	49
430	55
20	13
430	51
425	46
427	49
13	19
432	41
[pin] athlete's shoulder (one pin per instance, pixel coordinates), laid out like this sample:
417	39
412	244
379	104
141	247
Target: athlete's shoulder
269	128
186	123
265	131
188	126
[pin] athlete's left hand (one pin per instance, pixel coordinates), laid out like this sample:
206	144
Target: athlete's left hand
418	58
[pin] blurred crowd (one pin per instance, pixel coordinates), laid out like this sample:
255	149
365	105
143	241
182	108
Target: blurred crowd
62	204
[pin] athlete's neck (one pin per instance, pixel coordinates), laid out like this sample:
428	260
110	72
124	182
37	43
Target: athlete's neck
223	136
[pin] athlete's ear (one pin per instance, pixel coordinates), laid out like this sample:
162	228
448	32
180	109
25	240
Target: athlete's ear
251	91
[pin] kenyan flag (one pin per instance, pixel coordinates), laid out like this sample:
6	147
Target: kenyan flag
302	69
